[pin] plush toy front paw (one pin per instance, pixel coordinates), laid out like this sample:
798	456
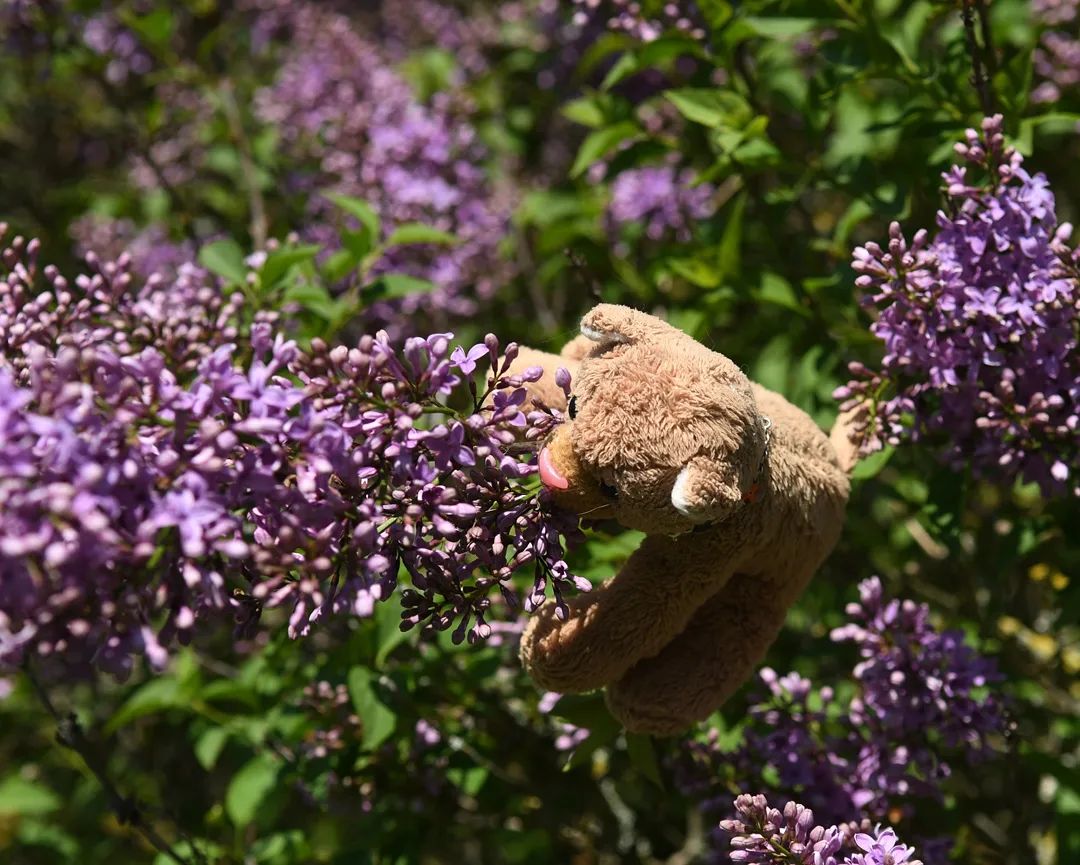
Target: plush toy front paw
549	655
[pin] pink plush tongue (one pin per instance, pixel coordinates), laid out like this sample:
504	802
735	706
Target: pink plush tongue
549	474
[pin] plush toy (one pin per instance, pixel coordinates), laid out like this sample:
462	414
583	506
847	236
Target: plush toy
741	497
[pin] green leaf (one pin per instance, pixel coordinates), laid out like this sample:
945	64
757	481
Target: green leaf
624	67
157	695
226	259
729	257
414	232
22	798
588	111
869	466
377	719
696	271
469	780
249	788
281	261
1058	121
643	757
209	746
585	710
358	244
775	289
781	28
45	834
388	633
360	209
394	285
601	142
710	107
315	299
342	262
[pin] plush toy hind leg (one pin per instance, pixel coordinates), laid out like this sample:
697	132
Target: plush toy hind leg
702	667
633	615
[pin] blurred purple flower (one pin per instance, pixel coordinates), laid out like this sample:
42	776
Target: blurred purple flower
646	22
355	124
1057	57
666	201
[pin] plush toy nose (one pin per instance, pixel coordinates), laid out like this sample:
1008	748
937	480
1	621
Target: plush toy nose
549	475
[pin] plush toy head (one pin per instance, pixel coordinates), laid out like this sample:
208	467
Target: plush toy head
662	433
740	495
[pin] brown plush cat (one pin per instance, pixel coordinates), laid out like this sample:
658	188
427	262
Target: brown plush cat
740	493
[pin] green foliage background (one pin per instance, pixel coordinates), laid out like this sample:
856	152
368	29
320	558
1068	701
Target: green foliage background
813	152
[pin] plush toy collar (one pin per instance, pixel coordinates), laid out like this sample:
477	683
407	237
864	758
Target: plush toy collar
750	495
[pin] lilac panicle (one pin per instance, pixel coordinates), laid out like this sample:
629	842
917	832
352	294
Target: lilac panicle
921	700
663	199
357	129
980	327
759	833
1056	60
644	21
915	679
763	834
166	456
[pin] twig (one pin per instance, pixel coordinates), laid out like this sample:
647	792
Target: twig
69	733
978	73
694	845
581	268
990	53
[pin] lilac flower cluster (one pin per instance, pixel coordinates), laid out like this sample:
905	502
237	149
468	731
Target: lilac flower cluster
409	25
166	456
568	736
1057	58
343	111
763	835
920	699
665	200
980	326
149	249
106	35
338	724
918	684
18	26
642	19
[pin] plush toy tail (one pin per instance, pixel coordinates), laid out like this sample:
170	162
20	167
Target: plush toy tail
844	431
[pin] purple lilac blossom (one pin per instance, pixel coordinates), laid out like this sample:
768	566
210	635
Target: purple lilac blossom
344	112
569	736
169	456
762	835
921	699
107	36
642	19
411	25
1057	57
150	249
980	327
666	201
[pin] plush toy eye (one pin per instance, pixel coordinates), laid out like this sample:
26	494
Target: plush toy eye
571	407
608	491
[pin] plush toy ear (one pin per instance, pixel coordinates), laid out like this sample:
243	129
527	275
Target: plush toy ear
706	490
611	324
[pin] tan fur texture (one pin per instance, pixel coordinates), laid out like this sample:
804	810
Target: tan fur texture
669	438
